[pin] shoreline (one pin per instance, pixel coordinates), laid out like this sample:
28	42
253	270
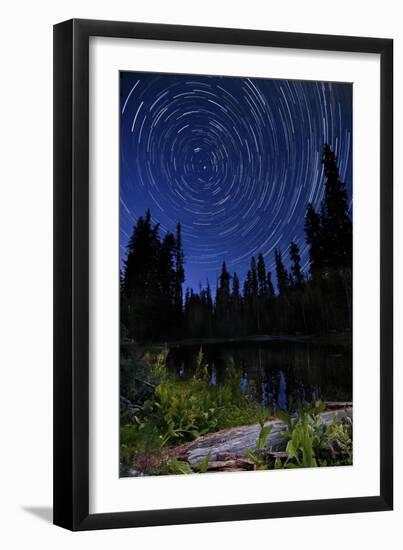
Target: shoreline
337	339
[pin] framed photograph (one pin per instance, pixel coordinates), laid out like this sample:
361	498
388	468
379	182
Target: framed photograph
223	320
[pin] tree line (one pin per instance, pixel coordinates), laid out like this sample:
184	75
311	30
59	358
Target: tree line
153	307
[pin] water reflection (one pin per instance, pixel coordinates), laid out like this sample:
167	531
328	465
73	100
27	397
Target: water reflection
274	372
213	377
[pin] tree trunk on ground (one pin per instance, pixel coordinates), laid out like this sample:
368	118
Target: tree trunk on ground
229	447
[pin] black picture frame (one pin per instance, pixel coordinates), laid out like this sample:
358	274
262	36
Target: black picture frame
71	274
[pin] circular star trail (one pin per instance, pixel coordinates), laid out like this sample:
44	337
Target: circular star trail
234	160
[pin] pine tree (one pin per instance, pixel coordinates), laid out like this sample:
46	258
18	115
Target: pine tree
236	305
133	274
224	281
209	299
329	234
314	238
166	269
270	287
337	226
254	280
151	286
281	272
141	281
296	270
223	300
187	297
235	296
247	286
180	272
223	290
261	275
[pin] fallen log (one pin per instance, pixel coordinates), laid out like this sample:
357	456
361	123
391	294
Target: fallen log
232	465
232	444
335	405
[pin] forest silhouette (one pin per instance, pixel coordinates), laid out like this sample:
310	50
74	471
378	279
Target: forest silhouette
155	309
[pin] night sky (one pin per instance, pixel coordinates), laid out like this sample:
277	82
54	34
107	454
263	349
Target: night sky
235	160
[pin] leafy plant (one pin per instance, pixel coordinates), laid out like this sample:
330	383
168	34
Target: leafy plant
202	466
257	460
263	436
201	372
173	466
312	443
299	448
256	457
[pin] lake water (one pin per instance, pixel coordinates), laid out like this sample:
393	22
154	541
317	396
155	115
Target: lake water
274	371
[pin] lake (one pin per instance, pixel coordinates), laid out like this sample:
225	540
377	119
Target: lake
273	371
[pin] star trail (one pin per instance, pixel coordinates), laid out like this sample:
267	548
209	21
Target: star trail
235	160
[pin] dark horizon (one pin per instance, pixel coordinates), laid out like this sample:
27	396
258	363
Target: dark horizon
234	160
